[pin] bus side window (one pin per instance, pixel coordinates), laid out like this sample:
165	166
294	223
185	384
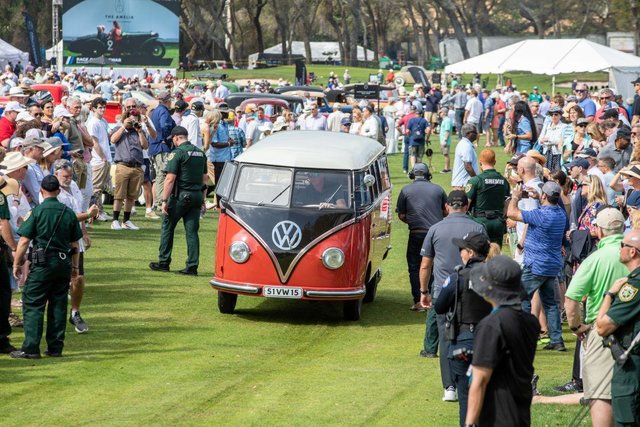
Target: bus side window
384	173
362	194
375	189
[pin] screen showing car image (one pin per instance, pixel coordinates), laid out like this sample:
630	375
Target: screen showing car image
121	32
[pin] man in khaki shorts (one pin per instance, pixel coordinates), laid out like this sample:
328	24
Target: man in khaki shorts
593	279
129	139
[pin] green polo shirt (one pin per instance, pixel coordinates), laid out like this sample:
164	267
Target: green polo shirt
40	225
188	163
488	191
596	274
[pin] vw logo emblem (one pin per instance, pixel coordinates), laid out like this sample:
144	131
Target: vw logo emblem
286	235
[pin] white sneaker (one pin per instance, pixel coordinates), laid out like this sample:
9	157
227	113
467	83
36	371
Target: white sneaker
115	225
209	205
450	394
103	217
129	226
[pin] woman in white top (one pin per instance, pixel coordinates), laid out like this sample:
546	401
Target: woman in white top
552	139
356	121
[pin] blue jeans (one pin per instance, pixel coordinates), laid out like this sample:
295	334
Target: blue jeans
547	287
459	119
405	157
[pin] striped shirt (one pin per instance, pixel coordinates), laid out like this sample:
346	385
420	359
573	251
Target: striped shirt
543	242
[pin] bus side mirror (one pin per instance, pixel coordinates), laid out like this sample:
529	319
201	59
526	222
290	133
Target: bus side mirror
369	181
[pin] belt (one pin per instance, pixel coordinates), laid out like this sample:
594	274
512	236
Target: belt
419	231
130	164
488	214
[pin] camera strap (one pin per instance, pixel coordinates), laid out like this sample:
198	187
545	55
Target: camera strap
55	229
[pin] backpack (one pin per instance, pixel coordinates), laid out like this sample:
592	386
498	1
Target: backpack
417	128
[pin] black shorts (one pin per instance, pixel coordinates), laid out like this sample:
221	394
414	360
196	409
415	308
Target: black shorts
146	166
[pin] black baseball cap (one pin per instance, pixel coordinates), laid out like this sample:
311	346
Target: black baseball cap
611	113
197	106
476	241
636	81
624	133
457	199
50	183
179	130
498	280
181	105
346	121
587	152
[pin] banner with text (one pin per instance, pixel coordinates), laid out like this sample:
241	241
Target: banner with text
121	32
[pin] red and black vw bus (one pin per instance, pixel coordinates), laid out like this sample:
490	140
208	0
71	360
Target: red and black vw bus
304	215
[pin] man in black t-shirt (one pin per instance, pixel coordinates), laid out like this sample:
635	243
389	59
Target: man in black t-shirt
504	349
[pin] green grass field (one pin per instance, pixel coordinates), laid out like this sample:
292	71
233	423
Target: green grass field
524	81
159	353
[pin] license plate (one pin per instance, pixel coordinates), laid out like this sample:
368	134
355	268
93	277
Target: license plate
281	292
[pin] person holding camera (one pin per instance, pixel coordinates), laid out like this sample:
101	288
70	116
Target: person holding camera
463	309
487	193
619	318
130	139
54	230
183	197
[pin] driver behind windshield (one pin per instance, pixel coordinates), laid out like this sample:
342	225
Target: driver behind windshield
321	192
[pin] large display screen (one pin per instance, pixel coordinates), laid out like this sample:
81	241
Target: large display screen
121	32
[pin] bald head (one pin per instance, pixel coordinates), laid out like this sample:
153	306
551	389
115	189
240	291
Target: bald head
527	167
633	238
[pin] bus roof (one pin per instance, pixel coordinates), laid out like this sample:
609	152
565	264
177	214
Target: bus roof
314	150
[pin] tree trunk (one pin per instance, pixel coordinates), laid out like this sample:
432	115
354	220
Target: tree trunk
374	31
426	16
416	32
256	24
635	22
473	17
449	9
356	30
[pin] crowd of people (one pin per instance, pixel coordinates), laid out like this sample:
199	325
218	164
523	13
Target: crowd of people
567	205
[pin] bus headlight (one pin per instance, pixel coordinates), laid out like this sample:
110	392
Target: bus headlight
333	258
239	252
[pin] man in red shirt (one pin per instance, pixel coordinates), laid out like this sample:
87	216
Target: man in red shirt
8	122
403	129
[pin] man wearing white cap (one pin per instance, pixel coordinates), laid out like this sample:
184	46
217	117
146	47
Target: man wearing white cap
8	122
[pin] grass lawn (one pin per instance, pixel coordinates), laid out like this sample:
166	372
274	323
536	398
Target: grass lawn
524	81
159	353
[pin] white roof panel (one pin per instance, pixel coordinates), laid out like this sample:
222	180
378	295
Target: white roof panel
314	150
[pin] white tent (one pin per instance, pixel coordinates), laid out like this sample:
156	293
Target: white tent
320	52
8	53
557	56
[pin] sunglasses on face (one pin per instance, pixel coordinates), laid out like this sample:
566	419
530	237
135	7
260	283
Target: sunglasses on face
38	115
625	245
581	90
604	98
555	114
583	125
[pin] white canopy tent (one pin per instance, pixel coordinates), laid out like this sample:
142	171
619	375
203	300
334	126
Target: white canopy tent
8	53
557	56
320	52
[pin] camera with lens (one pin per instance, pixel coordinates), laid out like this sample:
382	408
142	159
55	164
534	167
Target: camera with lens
39	257
136	125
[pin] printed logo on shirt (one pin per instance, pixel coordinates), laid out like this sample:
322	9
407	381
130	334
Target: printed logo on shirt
627	293
171	156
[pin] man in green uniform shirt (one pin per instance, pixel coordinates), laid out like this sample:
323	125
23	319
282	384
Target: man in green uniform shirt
7	244
619	316
182	198
487	193
55	231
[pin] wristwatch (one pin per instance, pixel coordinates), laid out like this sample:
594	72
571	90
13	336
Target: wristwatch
575	328
611	294
165	200
424	292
